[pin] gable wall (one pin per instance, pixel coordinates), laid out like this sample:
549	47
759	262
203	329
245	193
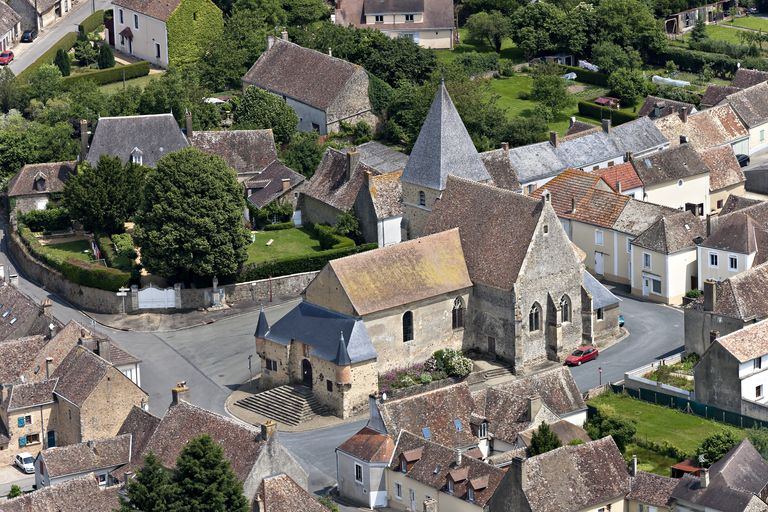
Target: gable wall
716	379
104	411
325	290
352	105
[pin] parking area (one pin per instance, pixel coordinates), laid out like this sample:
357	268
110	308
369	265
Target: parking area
11	475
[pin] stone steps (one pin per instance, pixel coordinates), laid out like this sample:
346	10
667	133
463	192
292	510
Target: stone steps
291	405
497	372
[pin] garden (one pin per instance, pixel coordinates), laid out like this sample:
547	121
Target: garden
293	242
679	375
444	364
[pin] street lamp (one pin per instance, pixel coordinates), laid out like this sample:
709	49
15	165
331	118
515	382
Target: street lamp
600	372
250	370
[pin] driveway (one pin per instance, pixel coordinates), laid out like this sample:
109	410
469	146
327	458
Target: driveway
11	475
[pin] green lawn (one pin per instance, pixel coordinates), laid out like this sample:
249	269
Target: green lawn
508	49
717	32
286	243
650	461
753	22
67	250
141	82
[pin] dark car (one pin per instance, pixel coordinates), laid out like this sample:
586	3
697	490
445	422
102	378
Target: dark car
5	58
743	160
581	355
28	36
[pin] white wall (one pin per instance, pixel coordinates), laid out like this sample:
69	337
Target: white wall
722	271
752	377
694	189
758	138
389	232
308	116
150	32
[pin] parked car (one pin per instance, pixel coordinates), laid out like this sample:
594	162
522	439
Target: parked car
621	320
743	160
581	355
5	58
28	36
25	462
752	10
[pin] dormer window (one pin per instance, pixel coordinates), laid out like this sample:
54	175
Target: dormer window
471	495
379	18
409	18
450	486
137	156
482	432
39	184
403	466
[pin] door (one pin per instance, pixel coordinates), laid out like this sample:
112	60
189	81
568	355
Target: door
492	346
599	269
412	496
51	439
646	286
306	373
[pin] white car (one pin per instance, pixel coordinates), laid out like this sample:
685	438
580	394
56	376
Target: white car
25	462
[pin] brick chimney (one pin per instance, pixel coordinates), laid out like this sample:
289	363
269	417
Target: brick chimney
607	125
505	147
628	156
178	392
188	119
553	139
83	139
573	205
618	186
710	295
353	159
284	35
286	184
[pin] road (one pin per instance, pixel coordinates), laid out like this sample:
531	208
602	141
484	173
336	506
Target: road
27	53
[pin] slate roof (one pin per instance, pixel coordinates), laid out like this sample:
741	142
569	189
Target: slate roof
20	315
496	228
79	374
738	232
667	107
564	430
31	394
18	357
716	94
724	169
443	148
154	135
751	104
8	18
535	161
369	446
601	296
669	165
744	78
597	469
246	151
499	166
267	185
403	273
88	456
437	14
650	489
743	295
747	343
140	424
320	328
76	495
705	129
160	9
734	203
672	233
393	6
330	185
380	157
386	193
280	493
435	462
577	126
733	481
623	173
55	175
308	76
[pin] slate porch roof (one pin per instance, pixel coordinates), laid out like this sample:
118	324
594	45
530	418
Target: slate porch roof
55	175
369	445
672	233
159	9
437	14
87	456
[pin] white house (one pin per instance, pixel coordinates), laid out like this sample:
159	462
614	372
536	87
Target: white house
10	27
36	14
361	463
751	105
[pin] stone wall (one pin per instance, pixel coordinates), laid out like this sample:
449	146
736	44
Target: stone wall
106	408
278	289
40	425
352	105
698	325
316	212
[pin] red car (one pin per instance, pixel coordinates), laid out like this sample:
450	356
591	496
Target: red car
581	355
5	58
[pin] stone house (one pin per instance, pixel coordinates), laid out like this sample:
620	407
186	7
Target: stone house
77	495
725	175
650	492
54	466
751	105
380	204
737	243
25	418
711	127
656	108
323	90
527	278
10	27
164	33
36	184
361	463
21	316
428	23
281	493
36	15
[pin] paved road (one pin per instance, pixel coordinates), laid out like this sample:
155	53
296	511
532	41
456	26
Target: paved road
27	53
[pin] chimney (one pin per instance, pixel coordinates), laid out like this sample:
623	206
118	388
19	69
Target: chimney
518	472
704	478
658	108
573	205
48	362
710	295
618	186
553	139
534	406
430	505
268	429
330	52
51	330
188	119
458	457
128	476
628	156
270	42
178	391
684	114
713	335
83	139
284	35
607	125
634	466
572	122
286	184
683	139
14	279
367	179
505	147
353	158
104	348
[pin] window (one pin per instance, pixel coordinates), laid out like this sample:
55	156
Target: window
399	491
379	18
409	17
28	420
600	314
457	318
646	260
713	263
120	13
565	309
719	203
595	167
656	286
762	135
408	326
482	431
733	263
598	237
757	363
329	385
457	425
271	365
122	40
33	439
450	486
137	157
422	198
610	164
157	50
136	21
531	188
315	127
427	433
546	228
534	318
759	391
403	468
358	473
471	495
102	479
629	246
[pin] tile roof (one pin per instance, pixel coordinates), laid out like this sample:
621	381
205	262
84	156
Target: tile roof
655	107
18	357
369	446
601	296
734	203
508	414
88	456
623	173
499	166
160	9
154	135
267	185
330	184
496	228
280	493
597	469
704	129
386	193
56	348
79	374
758	211
8	18
577	126
54	176
140	424
637	216
443	148
436	13
31	394
403	273
380	157
76	495
715	94
566	431
20	315
320	328
246	151
669	165
738	232
650	489
308	76
744	78
734	480
751	104
724	169
672	233
742	296
437	461
747	343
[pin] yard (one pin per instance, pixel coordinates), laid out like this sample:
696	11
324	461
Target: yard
78	249
650	461
751	22
140	82
508	49
286	243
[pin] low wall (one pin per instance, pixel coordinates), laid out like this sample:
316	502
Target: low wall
634	379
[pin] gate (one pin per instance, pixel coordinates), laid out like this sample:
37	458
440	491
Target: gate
157	298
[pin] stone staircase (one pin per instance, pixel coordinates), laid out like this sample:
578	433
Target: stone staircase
291	405
503	371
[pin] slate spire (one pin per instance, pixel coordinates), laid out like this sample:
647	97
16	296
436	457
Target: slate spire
262	326
342	356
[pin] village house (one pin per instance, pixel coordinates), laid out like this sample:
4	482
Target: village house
428	23
33	187
742	78
323	90
683	21
599	312
164	33
649	492
281	493
717	126
751	105
76	495
38	14
21	316
25	418
361	463
623	179
725	175
54	466
10	27
655	107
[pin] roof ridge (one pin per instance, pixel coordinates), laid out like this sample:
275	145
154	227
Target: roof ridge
280	40
233	421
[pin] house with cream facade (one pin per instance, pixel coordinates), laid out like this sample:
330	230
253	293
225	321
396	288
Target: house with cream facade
751	105
37	14
725	175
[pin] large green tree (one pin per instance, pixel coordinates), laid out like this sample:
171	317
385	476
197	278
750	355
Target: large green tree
536	28
627	84
609	57
152	489
24	142
715	446
630	24
190	223
544	440
62	62
492	27
550	90
602	424
259	109
104	197
45	82
303	153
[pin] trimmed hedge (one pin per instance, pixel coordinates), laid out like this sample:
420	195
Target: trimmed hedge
586	76
111	75
694	61
124	245
106	248
478	63
65	43
278	226
51	219
92	22
597	112
295	265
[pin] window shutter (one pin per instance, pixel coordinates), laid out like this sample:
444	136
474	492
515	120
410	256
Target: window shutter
23	441
20	421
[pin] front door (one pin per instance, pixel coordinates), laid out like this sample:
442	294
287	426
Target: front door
412	496
51	439
306	373
646	286
492	346
599	270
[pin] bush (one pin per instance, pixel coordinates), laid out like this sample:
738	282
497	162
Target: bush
124	245
586	76
92	22
51	219
425	378
601	425
478	63
406	381
694	294
295	265
279	226
597	112
328	503
107	250
65	43
737	51
106	58
452	362
62	62
326	236
111	75
506	68
694	61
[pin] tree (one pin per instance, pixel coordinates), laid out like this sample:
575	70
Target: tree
15	491
190	223
699	32
9	91
609	57
304	12
550	91
347	224
521	131
125	102
259	109
544	440
24	142
87	101
629	24
151	489
303	153
536	28
205	480
601	425
715	446
492	27
62	62
85	53
628	85
105	197
106	58
45	82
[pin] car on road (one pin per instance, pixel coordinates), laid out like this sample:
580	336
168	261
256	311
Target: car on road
581	355
28	36
743	160
25	462
5	58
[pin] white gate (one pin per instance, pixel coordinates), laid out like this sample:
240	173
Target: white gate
157	298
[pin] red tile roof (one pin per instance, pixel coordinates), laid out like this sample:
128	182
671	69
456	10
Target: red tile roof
369	446
622	173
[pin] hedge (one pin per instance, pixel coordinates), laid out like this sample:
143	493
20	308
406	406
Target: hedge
111	75
478	63
586	76
617	117
694	61
124	245
278	226
51	219
65	43
92	22
295	265
106	248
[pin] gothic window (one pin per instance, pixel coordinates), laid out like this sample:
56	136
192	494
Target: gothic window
565	309
534	317
457	318
408	326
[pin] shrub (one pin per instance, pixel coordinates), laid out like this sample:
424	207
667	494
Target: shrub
425	378
92	22
326	236
694	294
715	446
15	491
106	58
51	219
107	250
506	68
111	75
737	51
586	76
62	62
328	503
478	63
65	43
601	424
597	112
452	362
406	381
279	226
295	265
124	245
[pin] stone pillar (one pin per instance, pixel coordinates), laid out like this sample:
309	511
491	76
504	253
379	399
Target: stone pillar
177	294
134	297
